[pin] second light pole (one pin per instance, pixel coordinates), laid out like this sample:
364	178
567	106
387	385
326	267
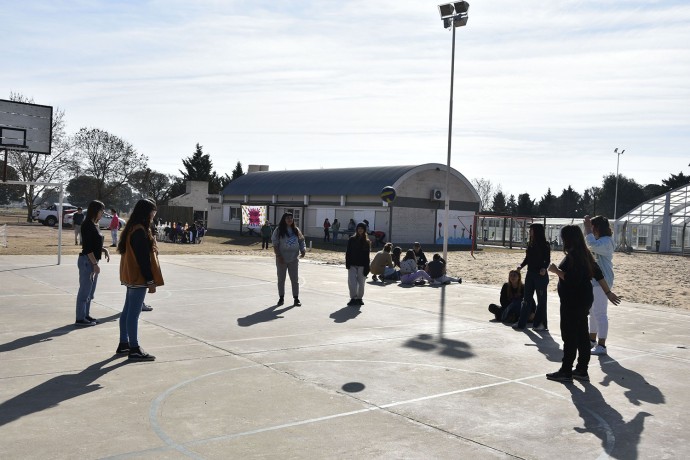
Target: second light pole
615	199
453	15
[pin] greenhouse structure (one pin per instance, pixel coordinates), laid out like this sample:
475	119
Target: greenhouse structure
660	224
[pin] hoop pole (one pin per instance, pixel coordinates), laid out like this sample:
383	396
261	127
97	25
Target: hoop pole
4	169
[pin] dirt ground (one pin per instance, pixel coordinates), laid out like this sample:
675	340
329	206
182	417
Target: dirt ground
639	277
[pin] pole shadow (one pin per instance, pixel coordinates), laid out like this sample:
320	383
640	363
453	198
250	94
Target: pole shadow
55	391
13	269
620	439
345	314
47	336
263	316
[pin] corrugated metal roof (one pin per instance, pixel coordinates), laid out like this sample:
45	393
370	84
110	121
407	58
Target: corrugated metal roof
339	181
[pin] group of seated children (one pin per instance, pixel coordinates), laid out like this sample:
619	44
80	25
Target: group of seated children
187	234
412	269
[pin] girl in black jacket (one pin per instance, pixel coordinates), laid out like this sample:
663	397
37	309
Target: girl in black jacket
357	263
537	259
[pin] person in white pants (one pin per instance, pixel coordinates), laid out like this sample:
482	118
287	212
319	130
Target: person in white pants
598	237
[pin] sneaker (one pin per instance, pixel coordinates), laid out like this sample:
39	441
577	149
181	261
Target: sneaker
560	376
359	301
297	303
540	327
84	323
582	376
93	320
145	307
113	245
592	343
459	280
517	327
494	309
281	301
123	347
352	303
374	278
138	354
598	350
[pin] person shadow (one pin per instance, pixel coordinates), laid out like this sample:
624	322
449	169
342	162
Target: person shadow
56	390
263	316
637	388
47	336
345	314
546	345
618	437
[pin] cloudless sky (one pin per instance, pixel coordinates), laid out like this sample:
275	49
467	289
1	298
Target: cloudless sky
544	89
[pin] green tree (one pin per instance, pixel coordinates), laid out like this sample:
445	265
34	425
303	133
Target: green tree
512	205
547	205
525	205
675	181
567	203
82	190
198	167
499	205
237	172
9	193
108	158
630	195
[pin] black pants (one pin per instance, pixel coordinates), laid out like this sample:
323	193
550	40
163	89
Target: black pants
575	334
264	242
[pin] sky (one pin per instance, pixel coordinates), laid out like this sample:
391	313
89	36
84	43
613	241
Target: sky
544	90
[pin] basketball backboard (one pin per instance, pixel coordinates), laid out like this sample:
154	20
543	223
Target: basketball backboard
26	127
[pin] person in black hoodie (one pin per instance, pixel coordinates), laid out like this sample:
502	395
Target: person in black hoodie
537	259
357	261
575	291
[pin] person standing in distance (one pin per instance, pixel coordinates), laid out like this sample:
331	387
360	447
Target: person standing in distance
357	262
114	227
77	220
289	247
598	237
140	272
91	252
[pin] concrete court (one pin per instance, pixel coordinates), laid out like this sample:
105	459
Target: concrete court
237	377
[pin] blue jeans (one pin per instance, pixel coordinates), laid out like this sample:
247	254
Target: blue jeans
129	319
87	287
534	282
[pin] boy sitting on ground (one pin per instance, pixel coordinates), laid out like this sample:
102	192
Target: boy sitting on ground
437	271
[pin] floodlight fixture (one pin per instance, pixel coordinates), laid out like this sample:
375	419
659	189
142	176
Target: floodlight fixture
454	14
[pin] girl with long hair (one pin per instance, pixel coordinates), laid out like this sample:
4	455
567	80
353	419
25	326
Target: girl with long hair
140	271
598	237
575	292
357	260
289	247
510	299
537	259
409	273
91	251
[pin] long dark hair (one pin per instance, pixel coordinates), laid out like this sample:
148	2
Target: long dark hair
140	216
601	224
283	226
362	238
512	292
538	236
92	211
395	255
409	255
575	247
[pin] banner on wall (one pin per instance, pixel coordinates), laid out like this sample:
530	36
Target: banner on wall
253	216
460	227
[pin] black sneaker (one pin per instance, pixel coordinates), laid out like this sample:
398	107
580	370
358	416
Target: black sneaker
123	347
494	309
374	278
560	376
145	307
138	354
281	301
582	376
359	301
93	320
297	303
84	323
352	303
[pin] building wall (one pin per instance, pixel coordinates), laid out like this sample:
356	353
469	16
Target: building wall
413	224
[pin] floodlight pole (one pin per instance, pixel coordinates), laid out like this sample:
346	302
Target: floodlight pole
615	199
450	137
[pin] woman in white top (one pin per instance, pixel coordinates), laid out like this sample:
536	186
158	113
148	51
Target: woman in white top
598	237
408	269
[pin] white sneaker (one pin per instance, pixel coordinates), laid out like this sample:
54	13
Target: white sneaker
598	350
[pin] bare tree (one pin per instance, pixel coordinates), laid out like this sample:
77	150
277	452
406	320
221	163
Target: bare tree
108	158
486	191
36	167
